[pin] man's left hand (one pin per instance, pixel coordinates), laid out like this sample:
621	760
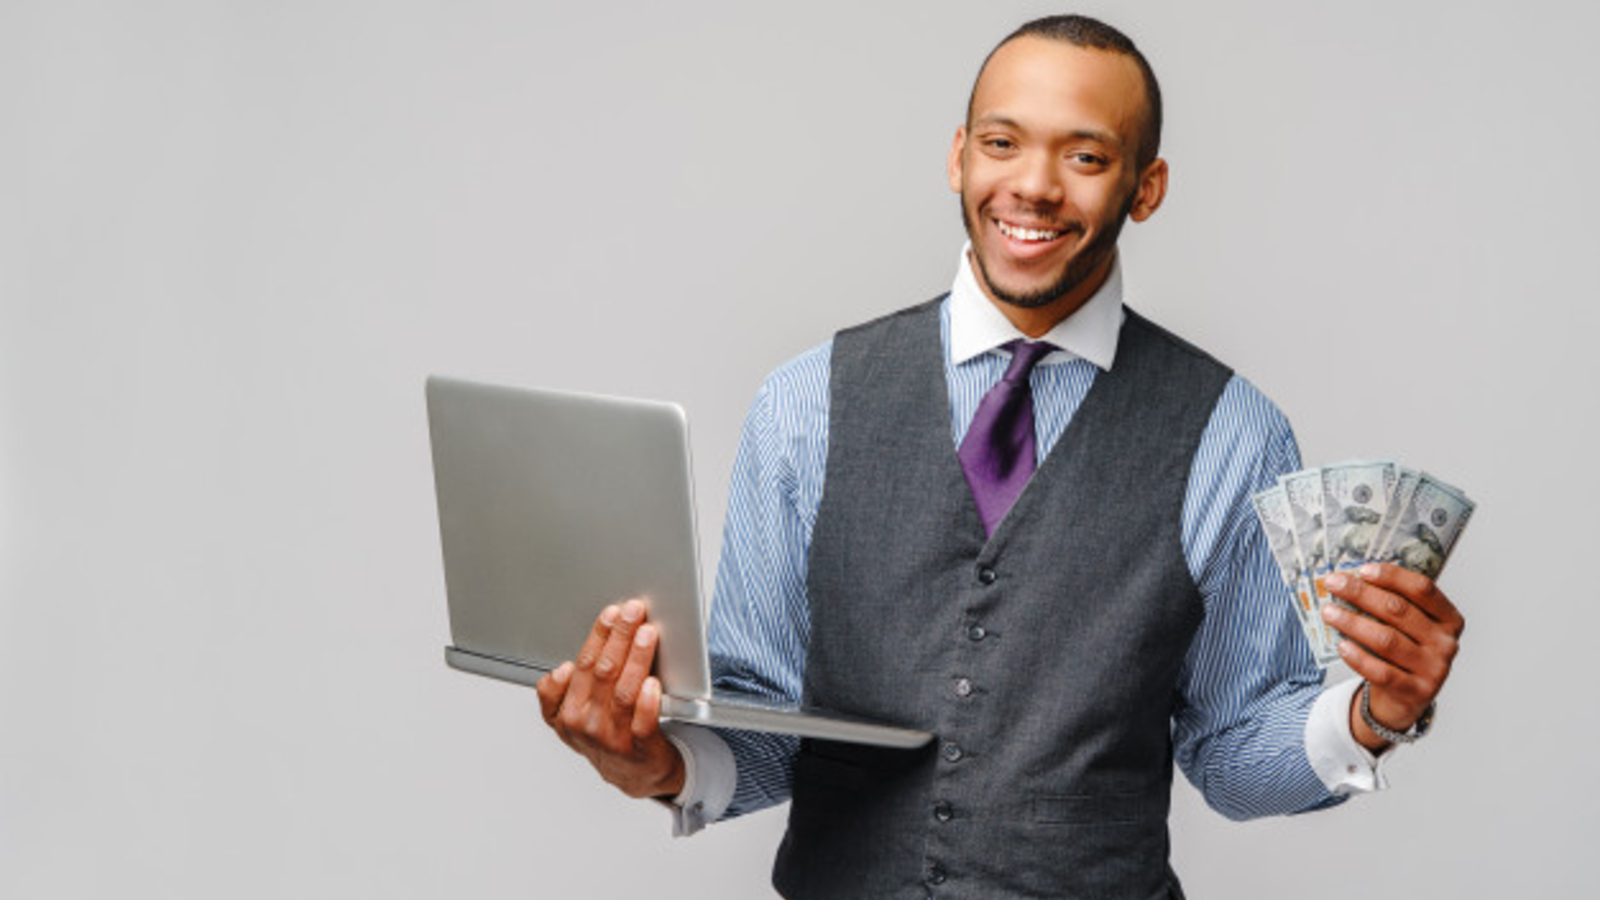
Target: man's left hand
1404	650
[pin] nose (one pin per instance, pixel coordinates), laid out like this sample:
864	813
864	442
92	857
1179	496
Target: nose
1038	179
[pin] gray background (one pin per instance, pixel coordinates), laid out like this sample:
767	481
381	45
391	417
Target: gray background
235	237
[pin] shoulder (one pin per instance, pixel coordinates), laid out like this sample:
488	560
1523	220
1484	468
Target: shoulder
1246	425
1161	336
791	405
1243	417
1164	365
805	378
798	378
892	320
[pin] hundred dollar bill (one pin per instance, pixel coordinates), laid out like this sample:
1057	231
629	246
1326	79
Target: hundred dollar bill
1303	490
1272	508
1355	496
1428	527
1405	485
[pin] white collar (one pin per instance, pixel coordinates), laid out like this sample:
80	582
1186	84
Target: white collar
978	326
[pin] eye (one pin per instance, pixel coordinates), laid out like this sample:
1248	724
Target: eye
1085	158
998	145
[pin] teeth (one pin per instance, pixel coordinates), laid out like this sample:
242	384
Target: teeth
1027	234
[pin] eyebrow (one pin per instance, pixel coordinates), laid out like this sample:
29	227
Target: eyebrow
1089	134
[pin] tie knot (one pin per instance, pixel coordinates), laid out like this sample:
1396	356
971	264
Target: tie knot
1024	356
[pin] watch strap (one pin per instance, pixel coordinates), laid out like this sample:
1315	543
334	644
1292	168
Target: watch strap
1409	736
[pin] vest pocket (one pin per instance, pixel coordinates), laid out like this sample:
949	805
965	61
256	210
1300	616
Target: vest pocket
1123	808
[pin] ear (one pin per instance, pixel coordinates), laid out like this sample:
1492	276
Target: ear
953	165
1151	191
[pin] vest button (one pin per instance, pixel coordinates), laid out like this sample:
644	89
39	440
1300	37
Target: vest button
952	751
943	811
963	687
987	575
977	633
936	874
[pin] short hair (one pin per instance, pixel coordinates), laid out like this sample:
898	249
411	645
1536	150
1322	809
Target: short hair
1082	31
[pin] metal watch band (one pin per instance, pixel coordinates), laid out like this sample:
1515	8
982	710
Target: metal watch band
1410	735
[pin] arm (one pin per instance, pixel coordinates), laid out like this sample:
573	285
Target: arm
1246	696
760	617
1254	729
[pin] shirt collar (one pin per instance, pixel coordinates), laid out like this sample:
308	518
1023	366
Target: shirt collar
977	326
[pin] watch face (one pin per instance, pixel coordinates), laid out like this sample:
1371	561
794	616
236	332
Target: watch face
1424	722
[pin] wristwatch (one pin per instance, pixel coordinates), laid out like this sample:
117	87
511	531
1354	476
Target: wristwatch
1410	735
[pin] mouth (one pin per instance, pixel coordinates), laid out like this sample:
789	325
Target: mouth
1031	244
1028	235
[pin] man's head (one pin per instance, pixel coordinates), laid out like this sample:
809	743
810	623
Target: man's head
1059	147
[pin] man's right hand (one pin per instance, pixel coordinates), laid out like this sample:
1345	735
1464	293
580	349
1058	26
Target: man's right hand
606	705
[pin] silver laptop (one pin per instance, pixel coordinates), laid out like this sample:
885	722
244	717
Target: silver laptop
554	504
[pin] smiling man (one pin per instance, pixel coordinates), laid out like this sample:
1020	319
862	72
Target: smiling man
1058	151
1018	517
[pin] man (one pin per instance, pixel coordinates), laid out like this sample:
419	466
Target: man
1065	640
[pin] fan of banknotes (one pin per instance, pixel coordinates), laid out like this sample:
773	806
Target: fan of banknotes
1335	518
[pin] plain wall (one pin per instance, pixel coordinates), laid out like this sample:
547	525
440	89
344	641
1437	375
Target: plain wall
235	237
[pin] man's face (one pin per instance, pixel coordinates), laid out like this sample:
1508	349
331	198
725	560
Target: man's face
1046	170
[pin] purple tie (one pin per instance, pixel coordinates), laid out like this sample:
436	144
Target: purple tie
997	454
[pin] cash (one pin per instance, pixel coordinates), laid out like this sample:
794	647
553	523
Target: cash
1272	508
1338	517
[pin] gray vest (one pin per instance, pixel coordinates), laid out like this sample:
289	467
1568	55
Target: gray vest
1044	658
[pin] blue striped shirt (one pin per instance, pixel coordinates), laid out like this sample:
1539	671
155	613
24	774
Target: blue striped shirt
1247	684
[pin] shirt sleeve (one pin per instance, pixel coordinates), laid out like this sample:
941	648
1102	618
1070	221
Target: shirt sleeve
1249	731
709	777
760	619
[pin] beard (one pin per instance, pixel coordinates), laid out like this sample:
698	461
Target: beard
1082	265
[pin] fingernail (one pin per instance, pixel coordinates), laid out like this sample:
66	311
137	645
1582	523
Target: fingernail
1346	650
632	611
1331	613
608	616
1369	570
1336	581
651	688
644	637
562	673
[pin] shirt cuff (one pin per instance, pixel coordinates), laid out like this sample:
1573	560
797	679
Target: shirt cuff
709	777
1344	766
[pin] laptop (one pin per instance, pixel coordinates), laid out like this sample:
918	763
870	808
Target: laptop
554	504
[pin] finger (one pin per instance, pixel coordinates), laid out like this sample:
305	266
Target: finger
647	712
1396	698
1382	674
589	654
615	652
641	654
1377	638
1380	603
577	699
552	688
1419	589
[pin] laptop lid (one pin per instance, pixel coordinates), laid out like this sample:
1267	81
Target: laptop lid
553	504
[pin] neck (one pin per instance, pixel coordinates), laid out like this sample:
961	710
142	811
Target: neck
1036	321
